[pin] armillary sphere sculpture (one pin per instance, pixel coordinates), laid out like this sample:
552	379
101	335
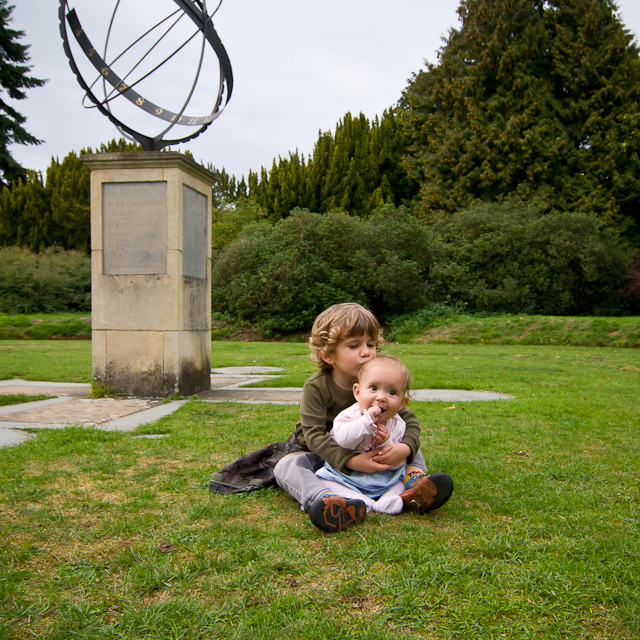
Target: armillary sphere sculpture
122	75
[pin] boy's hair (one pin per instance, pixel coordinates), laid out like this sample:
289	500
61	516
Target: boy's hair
338	322
388	361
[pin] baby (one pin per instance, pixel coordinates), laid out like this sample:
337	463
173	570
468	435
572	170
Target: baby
372	423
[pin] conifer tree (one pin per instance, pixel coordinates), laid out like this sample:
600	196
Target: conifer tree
37	215
226	189
532	97
67	222
23	207
356	169
13	82
119	145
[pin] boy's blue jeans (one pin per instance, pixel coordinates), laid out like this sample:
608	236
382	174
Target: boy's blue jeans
296	474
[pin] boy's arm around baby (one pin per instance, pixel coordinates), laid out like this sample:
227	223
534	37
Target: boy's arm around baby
318	408
412	433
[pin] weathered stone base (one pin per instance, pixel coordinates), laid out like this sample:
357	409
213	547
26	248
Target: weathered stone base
151	273
151	364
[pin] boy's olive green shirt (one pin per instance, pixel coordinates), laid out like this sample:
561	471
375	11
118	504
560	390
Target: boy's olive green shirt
322	400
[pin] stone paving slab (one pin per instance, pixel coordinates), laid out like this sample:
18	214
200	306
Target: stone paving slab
292	395
82	411
226	381
244	371
456	395
22	406
28	387
12	431
268	395
218	381
11	437
134	420
72	407
31	387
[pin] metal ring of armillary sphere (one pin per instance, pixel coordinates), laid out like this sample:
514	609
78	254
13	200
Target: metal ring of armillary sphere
121	88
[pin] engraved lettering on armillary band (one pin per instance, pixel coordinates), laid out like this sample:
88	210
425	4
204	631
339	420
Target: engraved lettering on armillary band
195	10
117	83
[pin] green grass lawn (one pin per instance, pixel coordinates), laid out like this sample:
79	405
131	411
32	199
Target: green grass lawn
538	330
108	535
46	360
19	398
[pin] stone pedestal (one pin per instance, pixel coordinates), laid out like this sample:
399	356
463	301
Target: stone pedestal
150	273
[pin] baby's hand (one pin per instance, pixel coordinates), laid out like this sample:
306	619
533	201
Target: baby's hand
375	413
382	435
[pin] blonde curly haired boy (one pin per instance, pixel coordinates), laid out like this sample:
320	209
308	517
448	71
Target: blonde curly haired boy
343	338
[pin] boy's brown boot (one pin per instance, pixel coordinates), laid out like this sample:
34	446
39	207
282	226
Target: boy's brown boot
335	513
428	493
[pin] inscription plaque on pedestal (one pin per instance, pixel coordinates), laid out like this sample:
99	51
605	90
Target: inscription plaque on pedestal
194	233
134	228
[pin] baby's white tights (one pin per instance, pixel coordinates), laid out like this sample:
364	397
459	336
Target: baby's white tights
389	502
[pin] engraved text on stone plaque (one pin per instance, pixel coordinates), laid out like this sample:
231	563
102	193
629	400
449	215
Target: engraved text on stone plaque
134	228
194	233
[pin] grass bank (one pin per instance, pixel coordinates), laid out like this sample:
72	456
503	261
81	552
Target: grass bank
437	324
56	326
109	535
538	330
446	325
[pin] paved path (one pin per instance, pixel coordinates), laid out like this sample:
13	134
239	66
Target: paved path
72	406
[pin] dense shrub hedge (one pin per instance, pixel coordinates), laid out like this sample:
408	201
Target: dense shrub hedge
498	257
48	282
492	258
280	276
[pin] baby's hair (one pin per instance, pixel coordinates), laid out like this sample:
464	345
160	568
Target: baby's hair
388	361
344	320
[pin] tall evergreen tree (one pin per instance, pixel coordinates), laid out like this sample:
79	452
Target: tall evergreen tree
37	215
23	207
533	97
226	190
357	169
13	82
67	223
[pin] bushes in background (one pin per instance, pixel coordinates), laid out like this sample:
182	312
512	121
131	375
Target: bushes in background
632	279
514	259
280	276
492	258
51	281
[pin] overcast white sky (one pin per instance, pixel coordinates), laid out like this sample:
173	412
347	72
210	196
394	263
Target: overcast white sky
298	65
